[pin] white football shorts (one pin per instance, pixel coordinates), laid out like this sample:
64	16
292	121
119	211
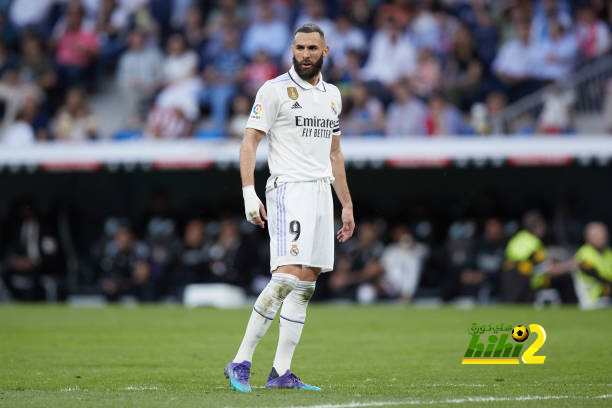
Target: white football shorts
300	223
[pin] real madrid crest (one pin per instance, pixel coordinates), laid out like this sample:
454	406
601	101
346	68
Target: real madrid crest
292	92
294	250
333	106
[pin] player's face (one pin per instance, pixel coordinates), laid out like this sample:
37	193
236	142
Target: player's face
309	50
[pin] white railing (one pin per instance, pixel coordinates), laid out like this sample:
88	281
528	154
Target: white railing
588	86
390	152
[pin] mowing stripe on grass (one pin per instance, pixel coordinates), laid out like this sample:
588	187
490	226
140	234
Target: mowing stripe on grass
451	401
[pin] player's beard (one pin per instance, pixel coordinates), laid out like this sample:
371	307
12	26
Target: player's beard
308	73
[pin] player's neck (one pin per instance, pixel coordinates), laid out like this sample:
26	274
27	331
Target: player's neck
312	81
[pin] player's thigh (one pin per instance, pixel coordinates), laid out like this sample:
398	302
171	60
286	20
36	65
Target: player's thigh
309	273
303	273
323	250
291	219
295	270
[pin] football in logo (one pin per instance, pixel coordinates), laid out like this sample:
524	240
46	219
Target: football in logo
257	109
520	333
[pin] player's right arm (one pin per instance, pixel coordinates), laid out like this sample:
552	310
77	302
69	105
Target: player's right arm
263	115
253	207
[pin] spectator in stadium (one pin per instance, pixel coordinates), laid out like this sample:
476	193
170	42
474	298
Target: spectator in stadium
267	32
399	10
314	12
349	73
176	107
13	94
442	119
607	107
231	256
110	25
18	133
194	30
193	264
6	58
261	69
524	253
33	252
546	12
346	37
30	125
557	115
463	75
485	34
433	27
495	104
392	57
174	114
402	261
555	56
125	268
592	33
593	262
142	18
362	15
139	76
35	65
366	115
241	107
28	13
359	270
161	237
513	62
222	77
74	121
230	14
459	244
479	279
427	76
77	47
406	114
180	63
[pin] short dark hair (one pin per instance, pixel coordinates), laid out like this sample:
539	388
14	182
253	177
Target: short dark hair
309	28
532	219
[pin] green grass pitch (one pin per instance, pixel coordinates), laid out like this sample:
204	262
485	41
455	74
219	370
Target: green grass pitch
165	356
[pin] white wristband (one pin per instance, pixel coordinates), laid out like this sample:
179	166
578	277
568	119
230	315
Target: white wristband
251	203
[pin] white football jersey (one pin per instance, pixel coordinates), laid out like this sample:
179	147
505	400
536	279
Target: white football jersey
300	120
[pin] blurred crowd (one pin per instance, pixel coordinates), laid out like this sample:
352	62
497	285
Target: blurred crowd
190	68
155	256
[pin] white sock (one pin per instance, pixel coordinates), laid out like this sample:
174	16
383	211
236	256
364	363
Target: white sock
264	311
292	318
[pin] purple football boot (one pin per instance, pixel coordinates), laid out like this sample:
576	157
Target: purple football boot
238	374
287	381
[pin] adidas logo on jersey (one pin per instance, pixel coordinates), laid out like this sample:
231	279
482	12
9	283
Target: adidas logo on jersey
296	106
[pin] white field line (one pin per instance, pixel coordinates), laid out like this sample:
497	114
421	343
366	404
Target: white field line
70	389
465	400
128	388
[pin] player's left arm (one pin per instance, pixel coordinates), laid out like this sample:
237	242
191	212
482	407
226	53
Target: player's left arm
342	190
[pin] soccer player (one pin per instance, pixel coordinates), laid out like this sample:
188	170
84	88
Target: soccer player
299	113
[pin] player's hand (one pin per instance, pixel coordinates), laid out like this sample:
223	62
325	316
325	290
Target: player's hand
254	209
348	225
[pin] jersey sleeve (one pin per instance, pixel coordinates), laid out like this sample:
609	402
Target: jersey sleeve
264	109
336	130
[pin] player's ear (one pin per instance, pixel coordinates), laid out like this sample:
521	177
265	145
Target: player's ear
325	50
